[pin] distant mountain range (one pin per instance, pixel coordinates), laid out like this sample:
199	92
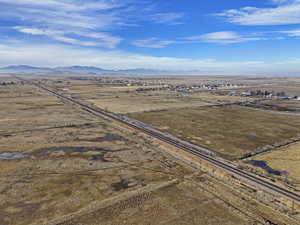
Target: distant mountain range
78	69
20	68
91	70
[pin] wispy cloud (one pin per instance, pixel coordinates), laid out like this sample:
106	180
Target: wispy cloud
153	43
71	13
223	37
100	39
292	33
67	5
167	18
284	12
77	22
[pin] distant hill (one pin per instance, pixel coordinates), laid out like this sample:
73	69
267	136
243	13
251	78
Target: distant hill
22	68
82	69
79	69
143	71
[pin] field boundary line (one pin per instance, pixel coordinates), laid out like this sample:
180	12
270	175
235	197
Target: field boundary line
98	205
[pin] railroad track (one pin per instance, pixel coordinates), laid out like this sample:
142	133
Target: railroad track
229	168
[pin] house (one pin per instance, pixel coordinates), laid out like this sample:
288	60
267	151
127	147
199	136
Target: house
283	97
63	89
232	93
246	94
269	96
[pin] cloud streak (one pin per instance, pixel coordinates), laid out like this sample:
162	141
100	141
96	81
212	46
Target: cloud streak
167	18
221	37
77	22
292	33
153	43
283	13
100	39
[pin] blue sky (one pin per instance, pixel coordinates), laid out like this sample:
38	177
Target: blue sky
214	37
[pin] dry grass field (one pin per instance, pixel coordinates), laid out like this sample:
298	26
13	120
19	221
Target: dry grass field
61	165
291	104
159	101
291	86
287	159
56	159
231	131
65	170
25	108
127	100
173	205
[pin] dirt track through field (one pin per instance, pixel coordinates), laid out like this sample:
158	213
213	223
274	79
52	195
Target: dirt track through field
142	193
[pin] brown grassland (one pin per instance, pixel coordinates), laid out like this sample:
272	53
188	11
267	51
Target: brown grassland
127	100
65	169
291	104
231	131
62	165
286	159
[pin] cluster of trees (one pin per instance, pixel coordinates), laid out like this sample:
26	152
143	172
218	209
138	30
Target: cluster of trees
7	83
267	93
151	89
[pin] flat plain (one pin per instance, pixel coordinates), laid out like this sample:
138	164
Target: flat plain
286	160
62	165
126	100
232	131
